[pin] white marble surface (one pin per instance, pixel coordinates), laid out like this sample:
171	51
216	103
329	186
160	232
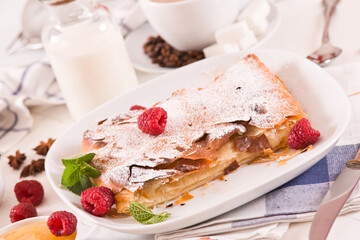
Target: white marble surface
299	32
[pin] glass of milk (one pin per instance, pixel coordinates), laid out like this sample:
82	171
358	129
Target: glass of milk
87	54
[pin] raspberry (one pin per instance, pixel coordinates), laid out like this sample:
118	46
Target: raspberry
137	107
22	211
153	121
97	200
302	135
29	191
62	223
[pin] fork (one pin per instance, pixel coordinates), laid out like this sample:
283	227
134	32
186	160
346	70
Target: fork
327	52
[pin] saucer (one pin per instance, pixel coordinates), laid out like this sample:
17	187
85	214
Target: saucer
135	40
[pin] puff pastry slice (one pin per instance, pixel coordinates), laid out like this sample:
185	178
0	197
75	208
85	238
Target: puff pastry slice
242	114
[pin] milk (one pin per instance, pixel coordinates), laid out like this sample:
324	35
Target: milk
91	65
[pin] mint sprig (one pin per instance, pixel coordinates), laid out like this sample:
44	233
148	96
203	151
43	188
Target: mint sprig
144	215
77	173
83	184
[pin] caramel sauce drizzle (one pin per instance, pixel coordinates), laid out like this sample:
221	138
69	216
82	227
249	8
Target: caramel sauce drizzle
282	156
186	197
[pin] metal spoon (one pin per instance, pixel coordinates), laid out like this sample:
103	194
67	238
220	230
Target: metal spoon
33	17
326	52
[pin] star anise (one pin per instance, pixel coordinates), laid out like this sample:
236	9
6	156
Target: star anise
36	166
43	147
16	161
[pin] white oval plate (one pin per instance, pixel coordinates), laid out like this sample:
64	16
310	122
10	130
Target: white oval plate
135	40
22	223
319	94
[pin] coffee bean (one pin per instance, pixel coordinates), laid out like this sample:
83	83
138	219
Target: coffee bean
165	55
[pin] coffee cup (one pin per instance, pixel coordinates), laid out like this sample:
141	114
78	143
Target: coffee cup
190	24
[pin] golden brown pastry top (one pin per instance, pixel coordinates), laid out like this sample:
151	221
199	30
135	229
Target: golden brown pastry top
246	92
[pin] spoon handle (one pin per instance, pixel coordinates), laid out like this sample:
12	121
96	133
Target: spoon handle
14	41
17	44
329	8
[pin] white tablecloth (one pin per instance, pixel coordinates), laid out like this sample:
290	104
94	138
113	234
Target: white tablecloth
299	32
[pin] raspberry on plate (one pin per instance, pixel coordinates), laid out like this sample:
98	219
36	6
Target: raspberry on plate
22	211
137	107
62	223
97	200
153	121
29	191
302	135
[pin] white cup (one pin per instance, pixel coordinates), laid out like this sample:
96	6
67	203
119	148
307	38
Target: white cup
191	24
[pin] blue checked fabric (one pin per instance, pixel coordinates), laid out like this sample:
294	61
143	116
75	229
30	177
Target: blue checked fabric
304	193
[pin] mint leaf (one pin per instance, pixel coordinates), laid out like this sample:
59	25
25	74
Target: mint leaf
85	157
71	175
69	162
84	184
77	172
157	218
86	169
140	212
144	215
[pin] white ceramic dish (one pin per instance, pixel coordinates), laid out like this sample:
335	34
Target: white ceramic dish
22	223
319	94
135	40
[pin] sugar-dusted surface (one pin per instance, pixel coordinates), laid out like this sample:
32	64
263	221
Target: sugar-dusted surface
247	91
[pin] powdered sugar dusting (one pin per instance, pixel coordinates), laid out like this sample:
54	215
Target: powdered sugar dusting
221	130
139	175
247	91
